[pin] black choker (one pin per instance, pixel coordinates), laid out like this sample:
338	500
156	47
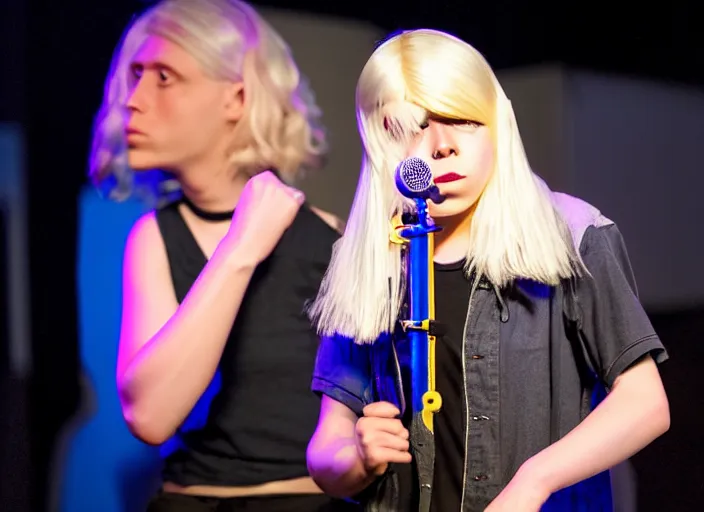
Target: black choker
206	215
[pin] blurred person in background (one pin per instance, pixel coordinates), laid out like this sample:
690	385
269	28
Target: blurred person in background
206	113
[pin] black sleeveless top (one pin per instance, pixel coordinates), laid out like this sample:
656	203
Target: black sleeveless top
254	422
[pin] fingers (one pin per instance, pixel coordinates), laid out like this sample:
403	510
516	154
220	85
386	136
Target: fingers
268	177
379	457
381	410
381	437
389	426
375	439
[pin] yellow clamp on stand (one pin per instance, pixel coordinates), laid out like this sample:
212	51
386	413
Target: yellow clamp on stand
432	401
397	226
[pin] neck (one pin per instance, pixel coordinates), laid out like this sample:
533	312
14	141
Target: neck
212	186
452	241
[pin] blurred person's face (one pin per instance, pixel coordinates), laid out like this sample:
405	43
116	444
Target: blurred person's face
177	115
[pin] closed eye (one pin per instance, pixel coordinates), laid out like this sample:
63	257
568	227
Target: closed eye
460	123
466	125
464	122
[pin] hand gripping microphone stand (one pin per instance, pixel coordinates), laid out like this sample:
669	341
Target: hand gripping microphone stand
414	180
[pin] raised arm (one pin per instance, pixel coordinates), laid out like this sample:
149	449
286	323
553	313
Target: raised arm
169	352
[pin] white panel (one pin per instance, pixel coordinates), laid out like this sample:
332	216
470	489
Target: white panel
537	97
331	53
636	153
632	148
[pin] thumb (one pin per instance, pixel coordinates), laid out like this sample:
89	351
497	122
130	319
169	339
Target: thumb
297	195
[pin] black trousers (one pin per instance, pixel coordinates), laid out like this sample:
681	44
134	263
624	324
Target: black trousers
172	502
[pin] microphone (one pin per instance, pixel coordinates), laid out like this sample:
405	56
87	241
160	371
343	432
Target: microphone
414	180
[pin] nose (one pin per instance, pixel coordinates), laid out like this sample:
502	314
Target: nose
137	99
443	151
443	144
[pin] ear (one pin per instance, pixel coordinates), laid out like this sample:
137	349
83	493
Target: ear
234	101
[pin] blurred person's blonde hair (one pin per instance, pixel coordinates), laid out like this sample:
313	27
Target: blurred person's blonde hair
279	128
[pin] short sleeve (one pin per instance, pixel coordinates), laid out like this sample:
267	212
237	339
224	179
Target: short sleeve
343	372
614	325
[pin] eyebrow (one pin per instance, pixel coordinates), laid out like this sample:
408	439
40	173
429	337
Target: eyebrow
154	64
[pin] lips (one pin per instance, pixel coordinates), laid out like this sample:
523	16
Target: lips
449	177
133	137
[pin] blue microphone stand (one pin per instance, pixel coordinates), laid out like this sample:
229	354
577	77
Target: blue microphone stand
425	400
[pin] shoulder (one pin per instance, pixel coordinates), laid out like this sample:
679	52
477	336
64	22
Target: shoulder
597	238
579	215
144	232
336	351
315	231
144	247
605	255
150	228
332	220
599	242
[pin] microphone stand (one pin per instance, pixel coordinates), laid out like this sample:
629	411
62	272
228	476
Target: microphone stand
420	332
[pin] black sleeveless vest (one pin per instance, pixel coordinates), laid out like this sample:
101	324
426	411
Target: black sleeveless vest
254	422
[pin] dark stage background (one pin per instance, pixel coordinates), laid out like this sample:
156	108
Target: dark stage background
52	65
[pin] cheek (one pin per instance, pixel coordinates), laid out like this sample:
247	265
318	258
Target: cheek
192	122
484	164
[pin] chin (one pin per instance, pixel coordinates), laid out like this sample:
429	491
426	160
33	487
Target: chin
140	160
450	207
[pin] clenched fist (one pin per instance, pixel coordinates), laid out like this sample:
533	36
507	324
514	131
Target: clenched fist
265	210
381	437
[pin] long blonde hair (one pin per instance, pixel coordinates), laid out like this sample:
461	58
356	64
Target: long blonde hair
516	231
280	127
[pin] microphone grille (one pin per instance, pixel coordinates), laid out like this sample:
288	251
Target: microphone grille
415	174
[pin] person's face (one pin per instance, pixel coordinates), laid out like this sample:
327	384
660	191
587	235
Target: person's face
461	157
176	113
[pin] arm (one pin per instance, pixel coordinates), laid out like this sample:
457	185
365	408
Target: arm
333	459
342	377
632	415
618	338
169	353
355	439
347	453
